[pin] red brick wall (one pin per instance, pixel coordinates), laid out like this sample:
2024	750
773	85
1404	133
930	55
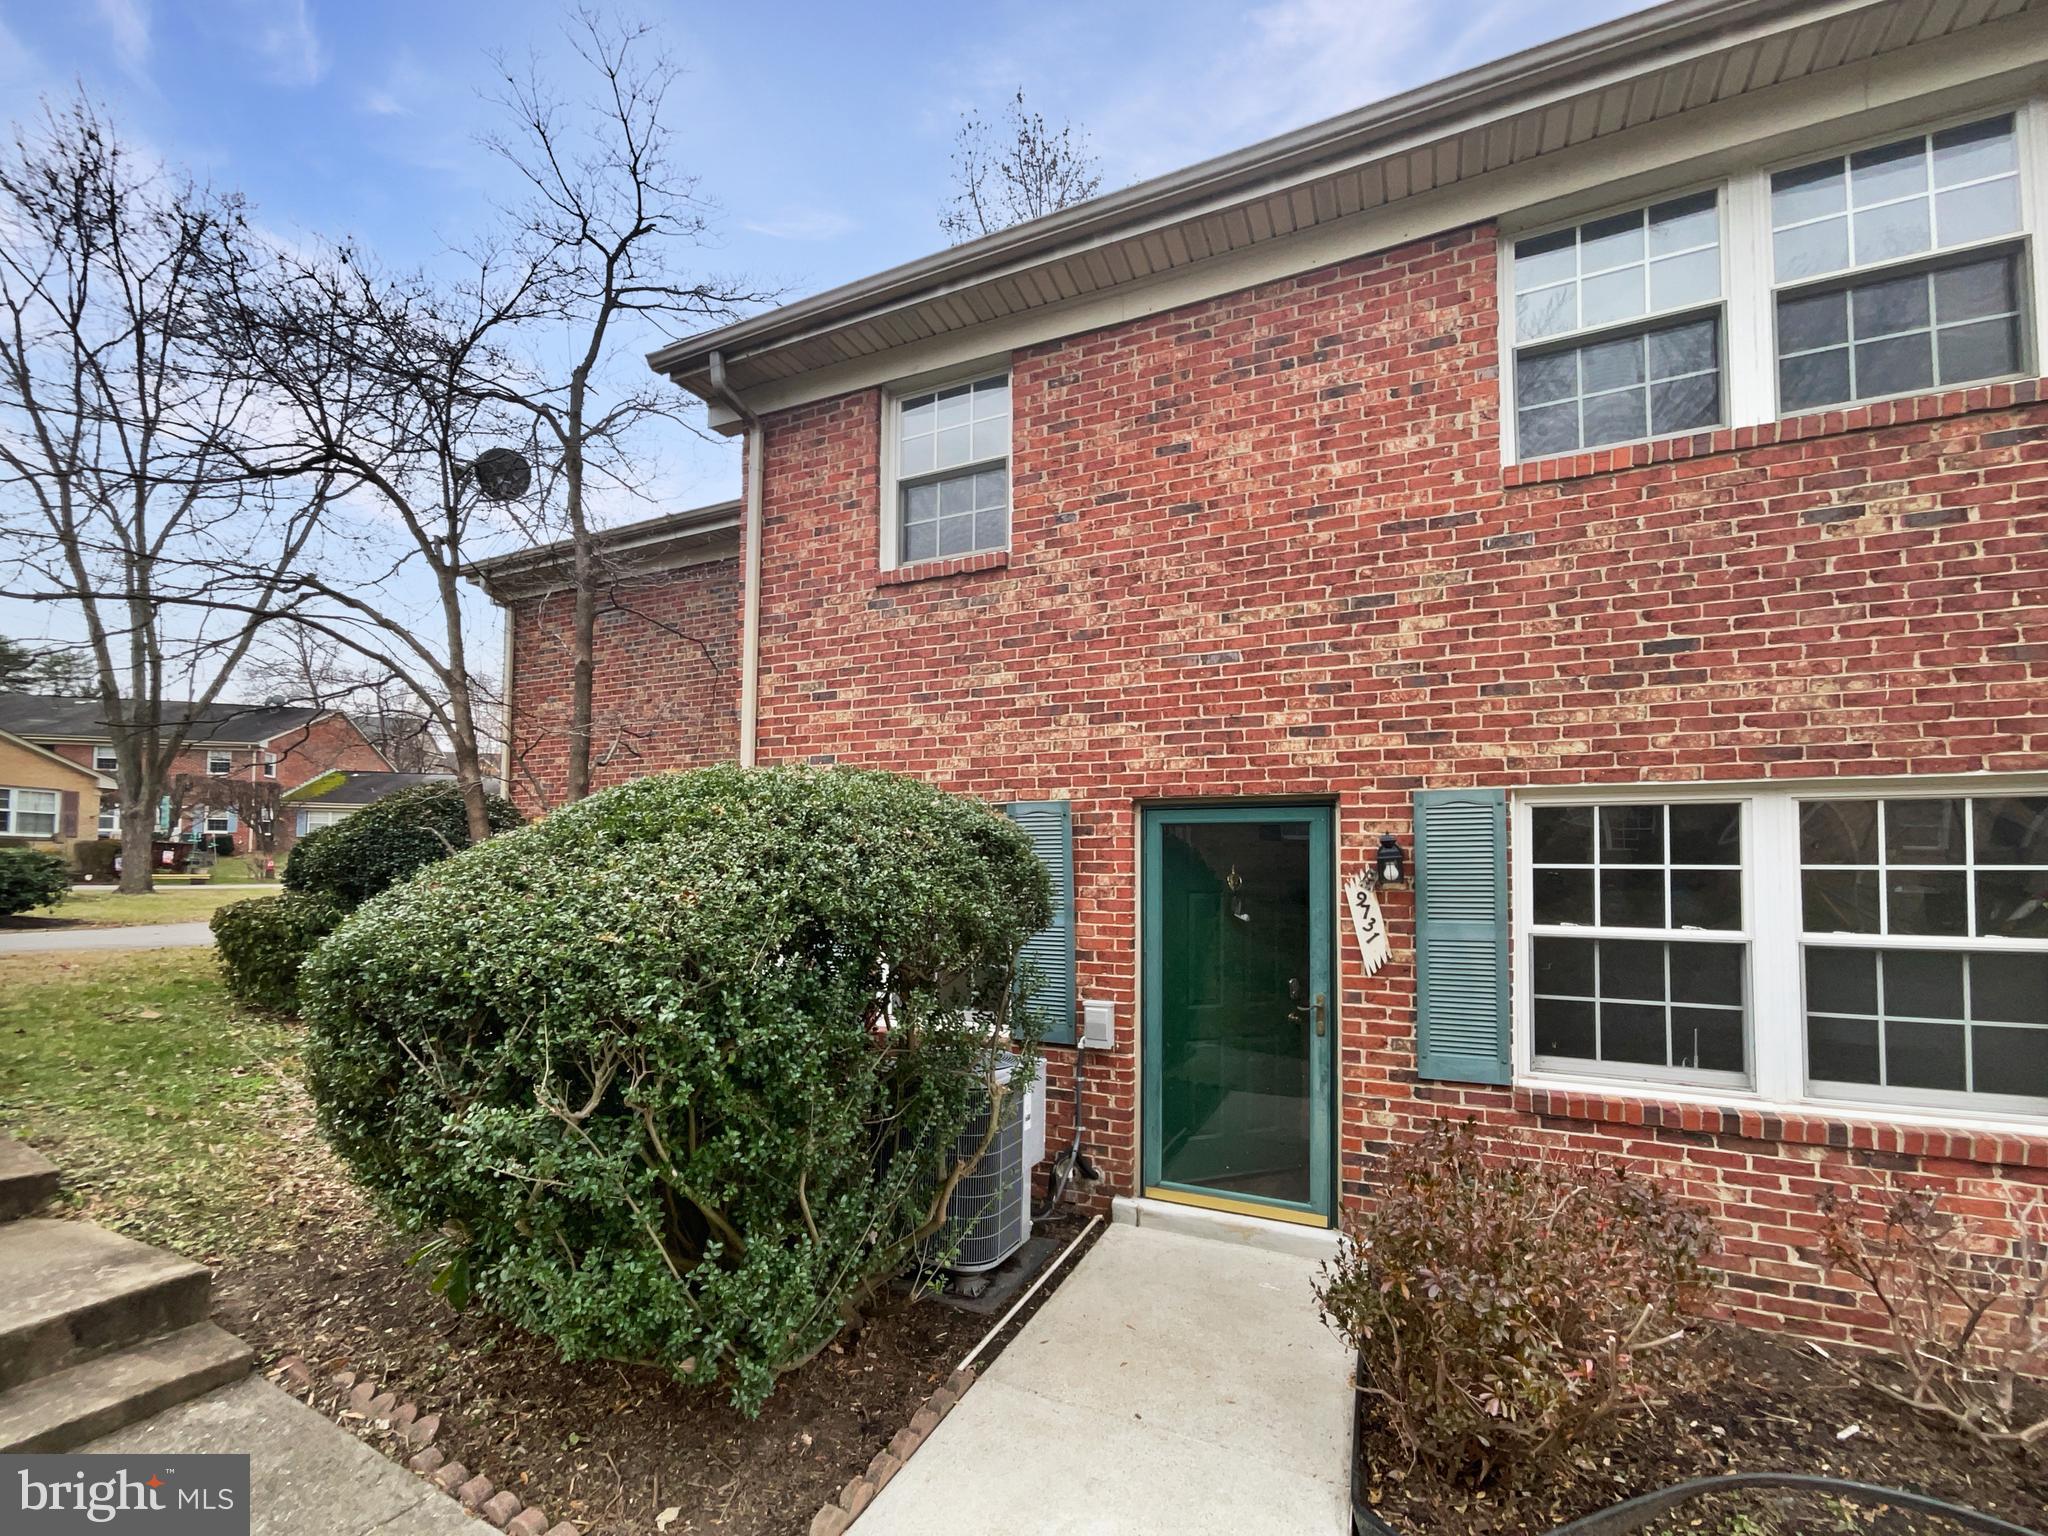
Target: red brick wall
1264	545
666	687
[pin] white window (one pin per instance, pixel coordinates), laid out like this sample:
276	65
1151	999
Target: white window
950	458
220	821
1617	326
1868	945
1884	269
29	812
327	818
270	765
104	760
1899	267
1639	953
110	819
220	762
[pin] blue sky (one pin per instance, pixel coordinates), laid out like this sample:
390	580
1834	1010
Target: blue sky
820	131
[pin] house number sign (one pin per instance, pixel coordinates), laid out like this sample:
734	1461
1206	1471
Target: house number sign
1366	922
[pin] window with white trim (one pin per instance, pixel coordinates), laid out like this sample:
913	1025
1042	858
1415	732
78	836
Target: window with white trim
110	818
1639	950
220	821
29	812
951	458
104	760
270	765
316	819
1878	945
1924	931
1618	327
1898	267
220	762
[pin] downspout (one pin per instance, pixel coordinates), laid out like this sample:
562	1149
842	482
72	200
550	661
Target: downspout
750	564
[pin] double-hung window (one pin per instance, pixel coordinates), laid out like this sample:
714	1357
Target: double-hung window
1899	267
218	763
1924	935
951	494
1617	328
105	760
1638	940
29	812
1880	945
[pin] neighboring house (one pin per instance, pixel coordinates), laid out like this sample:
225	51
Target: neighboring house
337	795
45	799
236	757
666	692
1619	474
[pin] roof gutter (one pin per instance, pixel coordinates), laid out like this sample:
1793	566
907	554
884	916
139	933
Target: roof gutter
750	561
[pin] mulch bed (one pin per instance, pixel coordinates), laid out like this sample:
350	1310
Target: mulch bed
606	1447
1762	1404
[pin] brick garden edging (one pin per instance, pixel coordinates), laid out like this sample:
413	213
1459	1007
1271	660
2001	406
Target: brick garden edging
401	1431
860	1491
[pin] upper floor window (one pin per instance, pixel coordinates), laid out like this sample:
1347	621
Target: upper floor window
1617	327
270	765
220	762
28	812
952	471
105	760
1898	267
1891	269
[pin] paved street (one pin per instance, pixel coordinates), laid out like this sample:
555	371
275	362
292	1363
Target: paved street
74	940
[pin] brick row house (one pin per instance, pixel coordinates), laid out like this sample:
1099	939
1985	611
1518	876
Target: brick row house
238	760
1606	492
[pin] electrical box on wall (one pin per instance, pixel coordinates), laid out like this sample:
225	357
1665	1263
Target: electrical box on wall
1098	1024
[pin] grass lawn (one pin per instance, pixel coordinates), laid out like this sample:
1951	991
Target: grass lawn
113	909
175	1116
242	867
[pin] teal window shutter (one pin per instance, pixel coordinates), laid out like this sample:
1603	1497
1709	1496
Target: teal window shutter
1050	952
1461	935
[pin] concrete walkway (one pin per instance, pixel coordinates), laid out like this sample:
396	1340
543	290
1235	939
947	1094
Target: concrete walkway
1171	1384
306	1473
136	936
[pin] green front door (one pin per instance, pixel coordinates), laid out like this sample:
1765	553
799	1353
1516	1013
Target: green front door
1238	1025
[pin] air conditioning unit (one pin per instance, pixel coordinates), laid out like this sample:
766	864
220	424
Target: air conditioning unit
990	1212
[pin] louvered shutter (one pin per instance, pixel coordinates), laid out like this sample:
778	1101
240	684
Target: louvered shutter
67	814
1050	952
1461	935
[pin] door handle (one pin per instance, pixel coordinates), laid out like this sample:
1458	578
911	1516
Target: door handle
1322	1009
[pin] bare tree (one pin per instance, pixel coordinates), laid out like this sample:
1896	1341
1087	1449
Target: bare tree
391	388
297	665
608	216
123	432
1019	169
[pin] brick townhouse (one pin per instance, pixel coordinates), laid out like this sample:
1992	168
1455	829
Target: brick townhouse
229	747
1612	481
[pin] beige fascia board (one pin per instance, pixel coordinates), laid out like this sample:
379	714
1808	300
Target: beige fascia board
1892	90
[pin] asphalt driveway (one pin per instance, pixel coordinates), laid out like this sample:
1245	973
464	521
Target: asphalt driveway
136	936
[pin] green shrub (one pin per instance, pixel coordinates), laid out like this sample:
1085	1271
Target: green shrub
31	878
95	859
382	844
262	942
1507	1315
676	1074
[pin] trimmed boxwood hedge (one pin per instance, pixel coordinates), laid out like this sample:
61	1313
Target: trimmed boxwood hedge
677	1074
382	844
30	877
262	943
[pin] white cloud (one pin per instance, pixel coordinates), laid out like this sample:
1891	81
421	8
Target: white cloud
403	90
281	33
801	224
127	26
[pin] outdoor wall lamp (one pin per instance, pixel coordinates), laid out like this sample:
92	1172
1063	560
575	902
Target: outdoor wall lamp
1389	868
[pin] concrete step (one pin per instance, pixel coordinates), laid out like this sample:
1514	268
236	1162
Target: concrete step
65	1410
70	1291
27	1179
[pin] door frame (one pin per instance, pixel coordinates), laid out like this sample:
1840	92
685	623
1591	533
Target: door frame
1321	820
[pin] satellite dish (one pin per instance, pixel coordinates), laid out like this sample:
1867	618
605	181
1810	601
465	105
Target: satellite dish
501	474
